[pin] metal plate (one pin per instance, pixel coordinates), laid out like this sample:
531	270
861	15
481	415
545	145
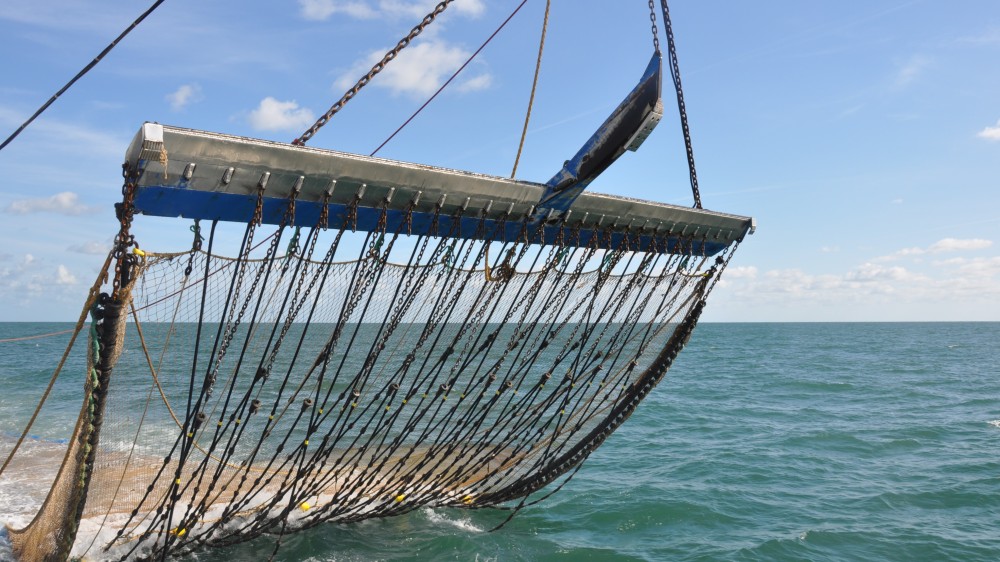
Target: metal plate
212	176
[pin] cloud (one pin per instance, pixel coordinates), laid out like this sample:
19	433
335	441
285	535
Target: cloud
957	245
943	288
990	133
419	70
22	277
186	94
741	272
476	83
785	286
59	136
944	245
910	70
92	248
871	272
990	37
64	277
321	10
274	115
65	203
93	18
420	8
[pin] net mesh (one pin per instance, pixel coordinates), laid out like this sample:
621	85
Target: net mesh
325	375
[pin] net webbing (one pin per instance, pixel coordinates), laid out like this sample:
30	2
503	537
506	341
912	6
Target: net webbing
326	375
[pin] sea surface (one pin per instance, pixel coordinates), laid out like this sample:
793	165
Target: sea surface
826	441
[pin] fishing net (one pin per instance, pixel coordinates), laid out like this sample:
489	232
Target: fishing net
318	374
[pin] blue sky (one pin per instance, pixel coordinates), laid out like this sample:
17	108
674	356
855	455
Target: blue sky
863	136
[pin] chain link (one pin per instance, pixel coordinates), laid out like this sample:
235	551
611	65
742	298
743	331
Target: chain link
675	72
652	21
124	238
379	66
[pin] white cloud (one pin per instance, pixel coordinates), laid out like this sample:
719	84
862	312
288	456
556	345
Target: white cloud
957	245
65	203
94	18
740	272
419	70
274	115
476	83
420	8
944	288
186	94
59	136
989	266
941	246
989	37
871	272
910	70
320	10
22	277
91	248
990	133
64	277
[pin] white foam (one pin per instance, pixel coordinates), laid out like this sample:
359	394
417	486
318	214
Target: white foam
462	523
994	423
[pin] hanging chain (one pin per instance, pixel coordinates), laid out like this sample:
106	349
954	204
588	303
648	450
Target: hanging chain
652	21
379	66
675	72
124	239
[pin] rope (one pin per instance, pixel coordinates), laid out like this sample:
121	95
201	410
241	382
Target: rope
37	336
456	73
94	290
534	84
80	74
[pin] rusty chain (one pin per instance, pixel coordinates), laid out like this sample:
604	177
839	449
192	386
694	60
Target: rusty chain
124	239
379	66
675	72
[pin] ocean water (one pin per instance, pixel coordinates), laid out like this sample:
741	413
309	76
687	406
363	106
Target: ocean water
852	441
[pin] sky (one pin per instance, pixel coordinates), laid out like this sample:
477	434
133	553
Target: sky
864	137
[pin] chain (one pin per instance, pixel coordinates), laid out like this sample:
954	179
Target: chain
379	66
675	72
652	21
124	238
195	246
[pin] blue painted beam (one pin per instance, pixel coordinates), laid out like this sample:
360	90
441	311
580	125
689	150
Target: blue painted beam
206	205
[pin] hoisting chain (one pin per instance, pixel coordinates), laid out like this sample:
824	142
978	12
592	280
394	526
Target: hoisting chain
652	21
379	66
124	239
675	72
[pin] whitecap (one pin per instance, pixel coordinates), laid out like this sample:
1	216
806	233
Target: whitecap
994	423
461	523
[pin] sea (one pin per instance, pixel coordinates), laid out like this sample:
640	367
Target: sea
784	441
